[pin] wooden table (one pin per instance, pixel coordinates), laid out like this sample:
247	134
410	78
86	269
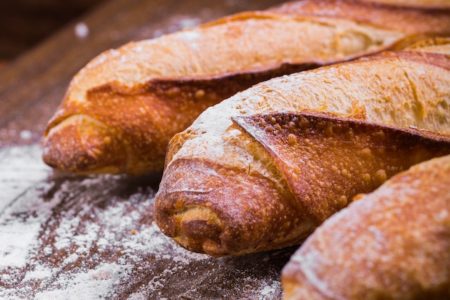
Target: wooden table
23	23
64	237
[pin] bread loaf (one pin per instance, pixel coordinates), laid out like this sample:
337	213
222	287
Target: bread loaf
414	3
264	168
401	15
392	244
121	110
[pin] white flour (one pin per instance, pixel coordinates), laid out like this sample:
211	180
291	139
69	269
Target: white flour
20	168
87	238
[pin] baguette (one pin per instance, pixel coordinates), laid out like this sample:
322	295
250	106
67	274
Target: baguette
392	244
414	3
388	15
121	110
260	178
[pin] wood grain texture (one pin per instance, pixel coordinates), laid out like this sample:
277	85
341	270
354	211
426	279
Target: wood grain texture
24	23
63	237
91	237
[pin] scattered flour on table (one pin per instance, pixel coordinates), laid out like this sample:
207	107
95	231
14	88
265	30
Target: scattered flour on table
20	168
92	284
23	212
269	289
25	134
100	240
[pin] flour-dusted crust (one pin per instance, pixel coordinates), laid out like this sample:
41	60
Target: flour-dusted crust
391	244
121	110
401	15
414	3
221	181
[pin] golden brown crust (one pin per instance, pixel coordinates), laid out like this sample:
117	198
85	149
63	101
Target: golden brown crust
422	54
143	119
437	45
377	13
145	92
82	141
392	244
401	90
327	160
222	227
430	4
425	43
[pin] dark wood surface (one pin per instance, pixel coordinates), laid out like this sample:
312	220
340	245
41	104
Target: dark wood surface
23	23
64	237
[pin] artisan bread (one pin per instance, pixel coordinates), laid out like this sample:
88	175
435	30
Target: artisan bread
249	175
121	110
413	3
391	244
379	13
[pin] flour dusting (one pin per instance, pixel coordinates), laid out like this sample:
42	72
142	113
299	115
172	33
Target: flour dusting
95	237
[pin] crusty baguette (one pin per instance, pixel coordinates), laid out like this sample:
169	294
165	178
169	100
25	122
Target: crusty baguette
232	188
390	16
121	109
413	3
392	244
